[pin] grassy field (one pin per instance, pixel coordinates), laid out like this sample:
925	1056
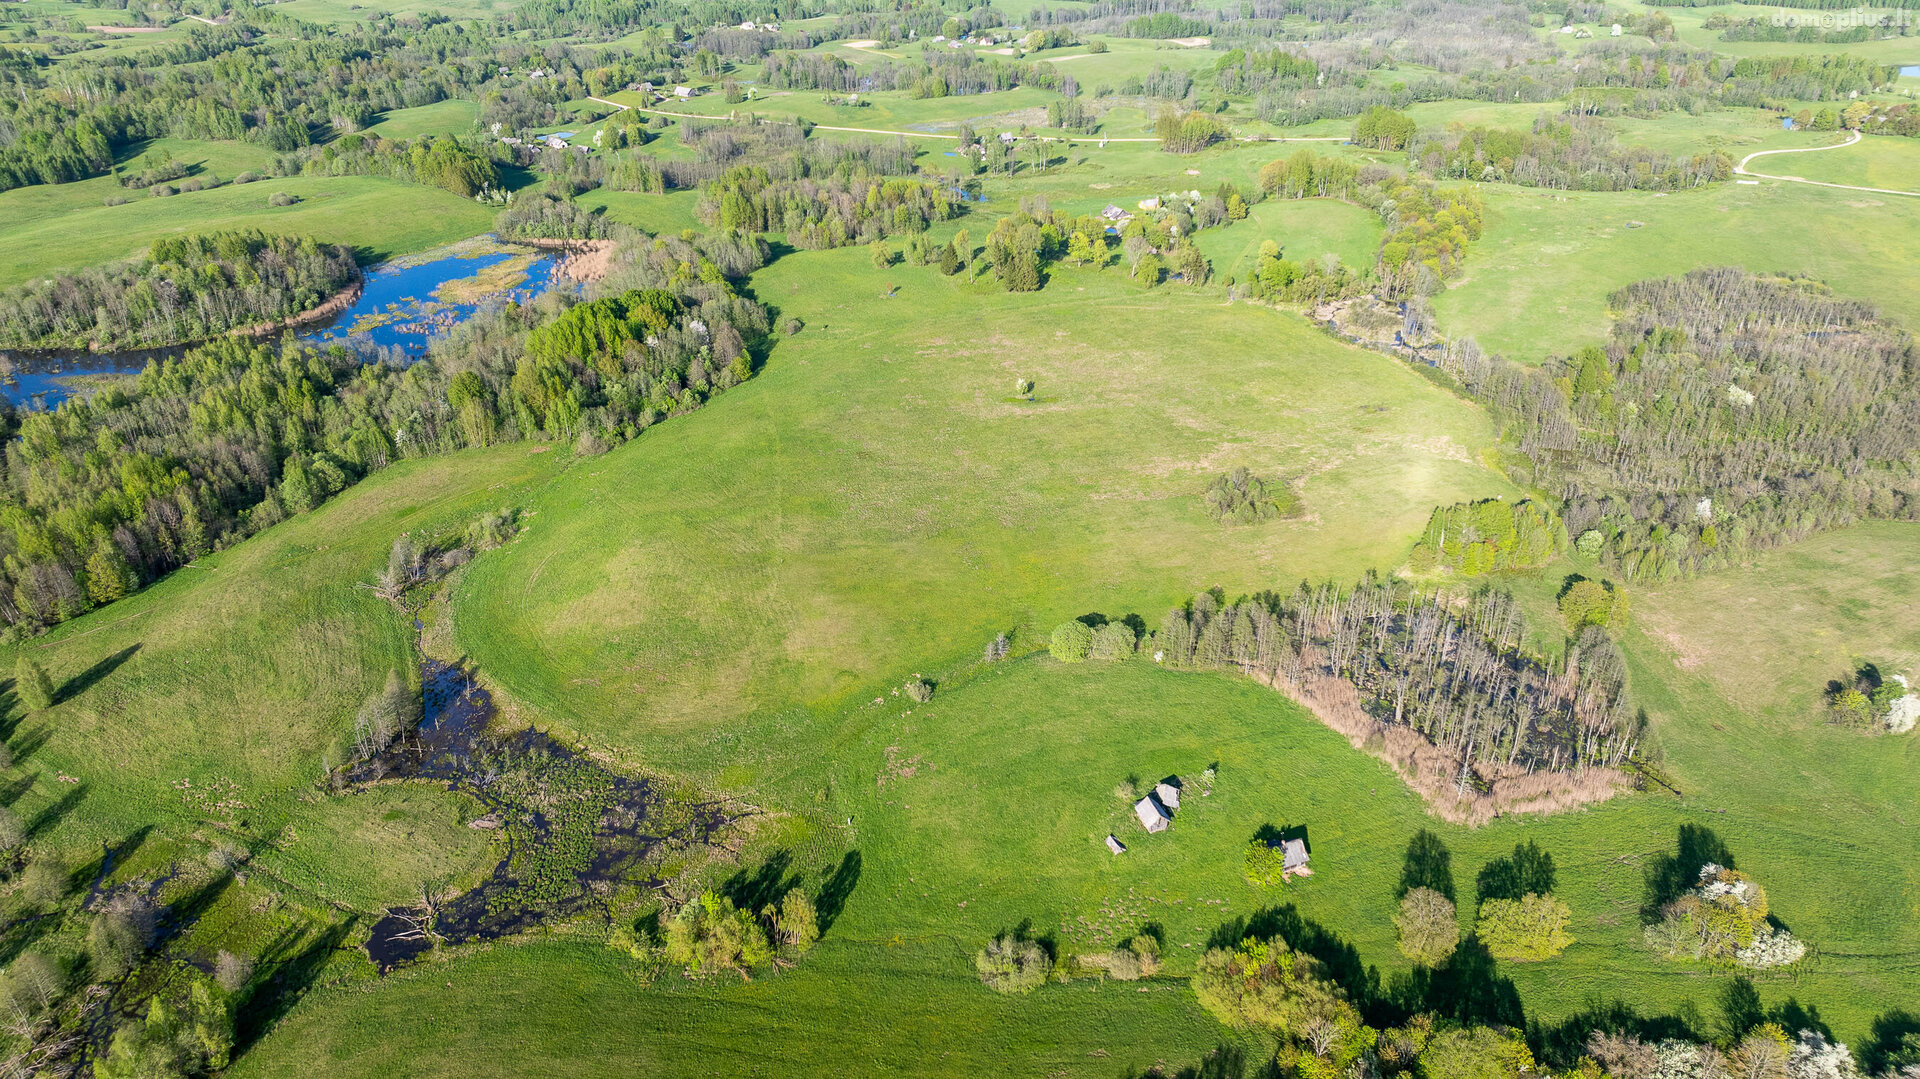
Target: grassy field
1304	228
988	807
206	700
450	117
1886	162
657	595
49	228
1537	281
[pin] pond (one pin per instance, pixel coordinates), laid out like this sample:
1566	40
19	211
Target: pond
403	305
1910	71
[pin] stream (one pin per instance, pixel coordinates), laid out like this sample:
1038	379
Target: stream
576	830
403	305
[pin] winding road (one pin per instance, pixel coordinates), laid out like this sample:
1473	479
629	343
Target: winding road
1854	136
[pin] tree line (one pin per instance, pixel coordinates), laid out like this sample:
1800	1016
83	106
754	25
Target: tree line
186	289
112	491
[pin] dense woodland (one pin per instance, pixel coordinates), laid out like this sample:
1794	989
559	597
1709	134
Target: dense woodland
106	493
187	289
1728	411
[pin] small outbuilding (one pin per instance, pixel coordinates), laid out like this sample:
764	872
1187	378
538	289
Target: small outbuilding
1115	845
1293	858
1153	815
1168	791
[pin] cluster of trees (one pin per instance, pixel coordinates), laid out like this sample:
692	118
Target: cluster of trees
1188	132
712	935
1451	670
1474	538
465	168
1166	24
1383	129
938	72
188	288
826	212
1723	918
1251	72
1575	153
114	490
1728	411
1866	699
1518	918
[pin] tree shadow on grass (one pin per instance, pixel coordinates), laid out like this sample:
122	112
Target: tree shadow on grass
1669	876
91	677
183	913
30	742
1429	864
763	887
53	814
1527	870
1895	1033
296	958
837	890
1563	1044
1467	988
1227	1061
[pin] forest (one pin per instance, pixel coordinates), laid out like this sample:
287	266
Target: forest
1728	411
187	289
109	492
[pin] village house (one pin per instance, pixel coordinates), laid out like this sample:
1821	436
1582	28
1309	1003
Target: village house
1153	816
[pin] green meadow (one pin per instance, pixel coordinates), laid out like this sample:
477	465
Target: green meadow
655	594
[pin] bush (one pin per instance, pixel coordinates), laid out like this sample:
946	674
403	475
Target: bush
710	934
281	198
247	177
47	880
1265	863
1011	964
161	191
1240	497
1529	928
796	923
1071	642
231	971
12	832
1113	641
1429	927
920	691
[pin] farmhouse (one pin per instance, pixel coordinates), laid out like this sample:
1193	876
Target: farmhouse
1116	215
1293	860
683	92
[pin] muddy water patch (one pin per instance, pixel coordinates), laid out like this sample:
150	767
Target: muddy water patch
576	831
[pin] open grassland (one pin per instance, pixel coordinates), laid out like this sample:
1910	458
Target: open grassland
1887	162
1305	229
450	117
49	228
987	809
657	596
1770	637
1688	25
1536	283
346	11
208	699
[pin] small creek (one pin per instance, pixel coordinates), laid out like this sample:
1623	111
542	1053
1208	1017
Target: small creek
400	310
576	830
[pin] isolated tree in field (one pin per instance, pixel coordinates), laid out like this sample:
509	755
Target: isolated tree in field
1071	642
31	684
882	254
1264	863
1429	927
1023	387
797	922
12	833
403	568
710	934
232	971
1592	603
1011	964
1529	928
46	880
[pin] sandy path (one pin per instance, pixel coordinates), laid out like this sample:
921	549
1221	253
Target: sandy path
1741	169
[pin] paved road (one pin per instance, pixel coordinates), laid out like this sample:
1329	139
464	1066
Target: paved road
1741	169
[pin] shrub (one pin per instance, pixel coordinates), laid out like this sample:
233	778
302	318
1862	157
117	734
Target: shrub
281	198
1240	497
1592	603
231	971
797	922
31	684
919	690
120	935
1113	641
1529	928
161	191
12	832
710	934
1071	642
1723	918
1265	984
247	177
1011	964
47	880
116	200
1264	863
1429	926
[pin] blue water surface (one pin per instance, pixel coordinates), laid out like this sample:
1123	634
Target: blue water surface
403	292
